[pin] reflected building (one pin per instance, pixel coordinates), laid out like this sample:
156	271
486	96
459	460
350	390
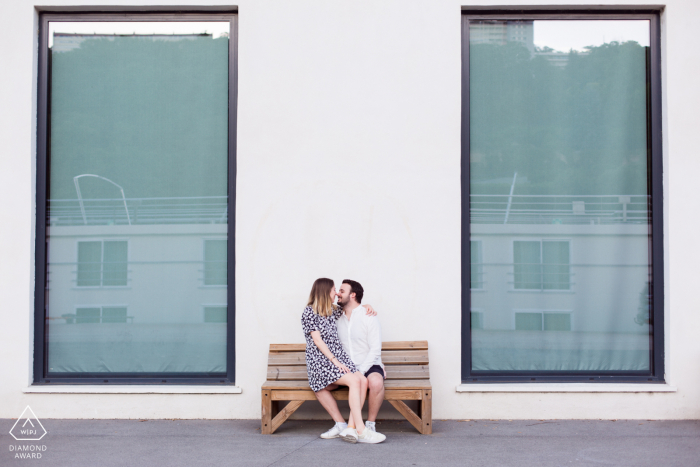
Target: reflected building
501	32
559	282
138	285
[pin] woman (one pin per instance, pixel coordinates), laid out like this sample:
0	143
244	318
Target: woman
328	364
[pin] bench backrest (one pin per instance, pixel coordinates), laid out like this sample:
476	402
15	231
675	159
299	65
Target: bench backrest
402	360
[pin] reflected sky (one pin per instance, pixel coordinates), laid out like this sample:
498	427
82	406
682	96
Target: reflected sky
215	28
565	35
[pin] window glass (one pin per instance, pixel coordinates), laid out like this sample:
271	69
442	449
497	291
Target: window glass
477	320
555	265
527	266
215	314
138	176
477	279
89	264
215	262
557	322
559	194
528	321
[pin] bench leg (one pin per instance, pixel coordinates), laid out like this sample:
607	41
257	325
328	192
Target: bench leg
426	412
266	418
408	413
284	414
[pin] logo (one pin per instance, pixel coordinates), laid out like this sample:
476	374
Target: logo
28	427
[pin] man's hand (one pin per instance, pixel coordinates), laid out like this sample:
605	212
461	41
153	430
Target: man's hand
370	310
384	369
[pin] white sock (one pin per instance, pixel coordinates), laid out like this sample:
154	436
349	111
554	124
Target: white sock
368	423
341	425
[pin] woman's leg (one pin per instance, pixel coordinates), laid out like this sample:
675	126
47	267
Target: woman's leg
328	402
354	384
364	385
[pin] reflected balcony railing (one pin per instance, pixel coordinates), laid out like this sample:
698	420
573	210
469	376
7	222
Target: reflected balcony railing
559	209
138	211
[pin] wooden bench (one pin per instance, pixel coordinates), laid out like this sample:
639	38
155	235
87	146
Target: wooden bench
408	378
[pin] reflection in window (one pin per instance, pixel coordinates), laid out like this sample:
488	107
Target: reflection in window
477	318
542	321
215	262
138	176
94	315
215	314
102	263
559	149
541	265
477	268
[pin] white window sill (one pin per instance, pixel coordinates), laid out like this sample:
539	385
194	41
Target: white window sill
130	389
565	387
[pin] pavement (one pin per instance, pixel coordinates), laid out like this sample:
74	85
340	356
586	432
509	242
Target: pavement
520	443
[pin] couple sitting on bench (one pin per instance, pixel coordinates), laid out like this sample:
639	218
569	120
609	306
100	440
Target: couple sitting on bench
344	348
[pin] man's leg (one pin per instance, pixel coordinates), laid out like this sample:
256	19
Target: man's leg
328	402
376	395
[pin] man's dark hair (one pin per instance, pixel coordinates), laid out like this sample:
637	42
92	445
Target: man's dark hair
355	288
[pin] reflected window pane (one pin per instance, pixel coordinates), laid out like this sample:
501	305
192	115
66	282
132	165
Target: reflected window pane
115	263
89	264
559	195
477	279
138	177
215	262
215	314
557	322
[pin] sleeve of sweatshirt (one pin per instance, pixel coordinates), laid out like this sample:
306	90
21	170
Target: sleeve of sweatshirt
374	339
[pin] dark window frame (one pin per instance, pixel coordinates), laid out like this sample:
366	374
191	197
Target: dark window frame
655	161
40	370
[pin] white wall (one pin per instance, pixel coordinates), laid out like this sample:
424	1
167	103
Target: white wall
349	167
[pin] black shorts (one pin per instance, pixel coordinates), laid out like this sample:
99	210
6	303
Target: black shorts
375	369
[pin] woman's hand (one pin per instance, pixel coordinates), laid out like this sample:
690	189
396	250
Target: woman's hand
370	310
340	365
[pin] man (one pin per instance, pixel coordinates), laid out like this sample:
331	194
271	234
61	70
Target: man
361	338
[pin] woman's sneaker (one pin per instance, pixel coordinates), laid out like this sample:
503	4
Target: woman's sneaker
349	435
335	431
370	437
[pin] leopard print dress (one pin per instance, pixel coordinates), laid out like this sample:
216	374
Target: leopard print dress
322	371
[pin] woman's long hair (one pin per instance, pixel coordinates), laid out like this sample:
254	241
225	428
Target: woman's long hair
320	297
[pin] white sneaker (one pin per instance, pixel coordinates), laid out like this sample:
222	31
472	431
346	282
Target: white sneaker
335	431
370	437
370	426
349	435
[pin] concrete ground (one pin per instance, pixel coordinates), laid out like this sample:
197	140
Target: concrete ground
490	443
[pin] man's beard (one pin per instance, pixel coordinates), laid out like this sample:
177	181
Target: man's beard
342	303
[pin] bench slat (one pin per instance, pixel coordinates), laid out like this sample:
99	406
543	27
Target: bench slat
395	357
395	345
405	357
388	384
342	395
405	345
298	372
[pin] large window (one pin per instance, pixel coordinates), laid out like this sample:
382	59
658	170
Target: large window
136	166
561	196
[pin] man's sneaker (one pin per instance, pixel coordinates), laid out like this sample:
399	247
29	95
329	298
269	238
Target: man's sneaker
370	426
335	431
349	435
370	437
